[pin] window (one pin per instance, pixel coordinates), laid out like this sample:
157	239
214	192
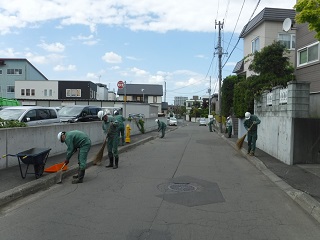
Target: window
73	92
14	71
255	45
289	40
10	89
45	92
308	54
0	71
27	92
154	99
31	114
50	92
33	92
22	92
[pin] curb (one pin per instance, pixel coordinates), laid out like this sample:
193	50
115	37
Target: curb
47	181
304	200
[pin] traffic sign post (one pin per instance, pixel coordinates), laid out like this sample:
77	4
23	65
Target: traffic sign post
120	84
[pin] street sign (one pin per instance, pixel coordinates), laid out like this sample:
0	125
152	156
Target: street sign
120	84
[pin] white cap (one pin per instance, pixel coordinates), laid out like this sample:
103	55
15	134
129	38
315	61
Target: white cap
100	114
59	136
157	120
247	115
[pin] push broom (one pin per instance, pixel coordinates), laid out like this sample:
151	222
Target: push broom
98	158
241	140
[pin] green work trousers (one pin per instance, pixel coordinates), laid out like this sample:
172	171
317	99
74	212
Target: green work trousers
252	138
83	156
112	144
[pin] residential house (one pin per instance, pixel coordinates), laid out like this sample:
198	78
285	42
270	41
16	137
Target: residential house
144	93
16	69
102	91
263	30
308	65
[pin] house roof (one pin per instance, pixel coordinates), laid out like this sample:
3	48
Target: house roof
22	59
239	67
149	89
268	14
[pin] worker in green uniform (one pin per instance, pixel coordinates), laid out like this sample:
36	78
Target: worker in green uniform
76	140
251	125
212	122
120	120
161	127
113	143
229	125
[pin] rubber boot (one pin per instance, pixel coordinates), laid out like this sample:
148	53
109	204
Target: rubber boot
116	163
76	175
110	161
80	177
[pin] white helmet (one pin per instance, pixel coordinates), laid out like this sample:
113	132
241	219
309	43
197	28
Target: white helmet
59	136
157	120
100	114
115	112
247	115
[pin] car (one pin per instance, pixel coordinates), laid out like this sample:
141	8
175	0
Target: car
136	115
202	122
31	115
173	121
79	113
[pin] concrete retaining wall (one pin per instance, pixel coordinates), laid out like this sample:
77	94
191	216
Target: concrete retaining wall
15	140
276	131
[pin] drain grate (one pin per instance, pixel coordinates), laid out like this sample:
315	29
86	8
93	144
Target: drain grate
182	187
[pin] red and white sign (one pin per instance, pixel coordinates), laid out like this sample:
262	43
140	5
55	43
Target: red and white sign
120	84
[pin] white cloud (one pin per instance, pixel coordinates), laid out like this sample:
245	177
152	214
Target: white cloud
60	68
9	53
53	47
111	57
139	72
158	16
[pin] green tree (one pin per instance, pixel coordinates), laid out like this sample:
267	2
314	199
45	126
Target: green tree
272	67
272	61
308	11
227	91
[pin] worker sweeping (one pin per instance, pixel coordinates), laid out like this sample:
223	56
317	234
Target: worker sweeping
76	140
120	120
161	127
251	125
229	126
113	143
211	123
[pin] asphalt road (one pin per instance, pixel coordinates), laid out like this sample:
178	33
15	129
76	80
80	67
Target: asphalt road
188	185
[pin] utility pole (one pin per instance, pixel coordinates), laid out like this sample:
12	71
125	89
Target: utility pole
209	91
219	49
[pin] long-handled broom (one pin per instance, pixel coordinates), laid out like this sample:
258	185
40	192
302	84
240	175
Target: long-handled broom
98	158
59	174
241	140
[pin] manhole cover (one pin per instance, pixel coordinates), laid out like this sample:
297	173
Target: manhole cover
182	187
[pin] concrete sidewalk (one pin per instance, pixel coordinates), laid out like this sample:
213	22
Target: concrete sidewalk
300	182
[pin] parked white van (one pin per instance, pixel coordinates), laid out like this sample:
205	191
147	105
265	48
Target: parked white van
31	115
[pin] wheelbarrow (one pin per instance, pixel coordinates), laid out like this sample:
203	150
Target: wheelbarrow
33	156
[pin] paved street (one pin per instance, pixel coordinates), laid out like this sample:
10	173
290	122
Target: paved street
188	185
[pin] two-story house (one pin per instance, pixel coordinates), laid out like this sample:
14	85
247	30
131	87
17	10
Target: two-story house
308	64
16	69
144	93
265	28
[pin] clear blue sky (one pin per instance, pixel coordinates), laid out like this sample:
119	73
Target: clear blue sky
147	41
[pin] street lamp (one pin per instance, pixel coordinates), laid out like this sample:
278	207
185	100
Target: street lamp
142	90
